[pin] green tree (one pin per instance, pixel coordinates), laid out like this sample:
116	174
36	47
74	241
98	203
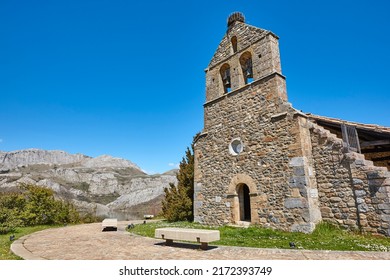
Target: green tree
178	201
43	209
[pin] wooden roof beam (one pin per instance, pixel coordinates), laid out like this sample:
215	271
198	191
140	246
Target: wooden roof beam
375	143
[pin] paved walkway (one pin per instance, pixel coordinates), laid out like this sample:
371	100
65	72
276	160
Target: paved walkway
88	242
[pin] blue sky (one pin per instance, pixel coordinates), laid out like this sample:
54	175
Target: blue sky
126	78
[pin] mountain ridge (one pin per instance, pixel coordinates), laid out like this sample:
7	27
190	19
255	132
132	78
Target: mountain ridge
99	185
13	159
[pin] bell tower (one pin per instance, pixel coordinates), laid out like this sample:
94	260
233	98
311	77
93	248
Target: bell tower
244	89
245	55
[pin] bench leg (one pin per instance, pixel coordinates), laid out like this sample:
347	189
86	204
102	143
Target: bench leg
169	242
203	245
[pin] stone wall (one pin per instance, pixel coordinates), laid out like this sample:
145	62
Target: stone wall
272	164
353	193
379	159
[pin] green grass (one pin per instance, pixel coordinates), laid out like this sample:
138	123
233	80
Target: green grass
5	243
325	237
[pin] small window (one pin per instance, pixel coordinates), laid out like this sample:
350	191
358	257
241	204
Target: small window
234	44
236	147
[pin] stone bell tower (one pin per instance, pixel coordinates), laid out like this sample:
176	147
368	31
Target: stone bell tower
243	155
245	55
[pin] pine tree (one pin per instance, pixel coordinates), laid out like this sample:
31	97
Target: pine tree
178	201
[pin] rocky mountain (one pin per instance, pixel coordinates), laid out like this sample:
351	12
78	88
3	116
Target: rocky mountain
105	185
12	160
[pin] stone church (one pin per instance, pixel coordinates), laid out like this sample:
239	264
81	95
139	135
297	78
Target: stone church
260	161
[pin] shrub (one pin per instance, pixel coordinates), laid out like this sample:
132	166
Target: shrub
34	205
10	212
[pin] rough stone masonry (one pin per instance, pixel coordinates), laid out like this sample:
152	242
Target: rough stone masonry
260	161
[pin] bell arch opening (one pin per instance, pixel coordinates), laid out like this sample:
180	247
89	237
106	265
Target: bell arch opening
247	68
226	78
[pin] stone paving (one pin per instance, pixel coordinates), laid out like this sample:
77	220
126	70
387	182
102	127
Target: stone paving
88	242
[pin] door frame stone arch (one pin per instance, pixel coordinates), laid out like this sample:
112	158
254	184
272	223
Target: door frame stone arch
236	183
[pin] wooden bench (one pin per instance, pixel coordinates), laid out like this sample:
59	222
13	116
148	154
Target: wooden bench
109	224
202	236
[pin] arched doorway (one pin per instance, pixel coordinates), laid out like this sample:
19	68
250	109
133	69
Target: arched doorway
243	197
244	202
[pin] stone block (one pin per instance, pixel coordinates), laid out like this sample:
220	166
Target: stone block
363	223
386	182
360	162
198	204
298	182
353	216
350	222
295	192
359	200
360	193
313	193
384	206
273	219
377	174
357	182
385	218
351	203
305	228
198	187
335	199
110	224
295	203
186	234
299	170
325	185
198	219
384	189
326	210
306	215
385	225
363	208
381	196
297	161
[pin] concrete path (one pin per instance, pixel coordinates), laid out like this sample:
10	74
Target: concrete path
88	242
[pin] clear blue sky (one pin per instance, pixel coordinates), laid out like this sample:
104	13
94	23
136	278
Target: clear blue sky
126	78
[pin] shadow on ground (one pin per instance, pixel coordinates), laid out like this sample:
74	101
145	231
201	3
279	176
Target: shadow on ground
186	246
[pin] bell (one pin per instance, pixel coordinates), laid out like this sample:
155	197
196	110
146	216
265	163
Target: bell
227	83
